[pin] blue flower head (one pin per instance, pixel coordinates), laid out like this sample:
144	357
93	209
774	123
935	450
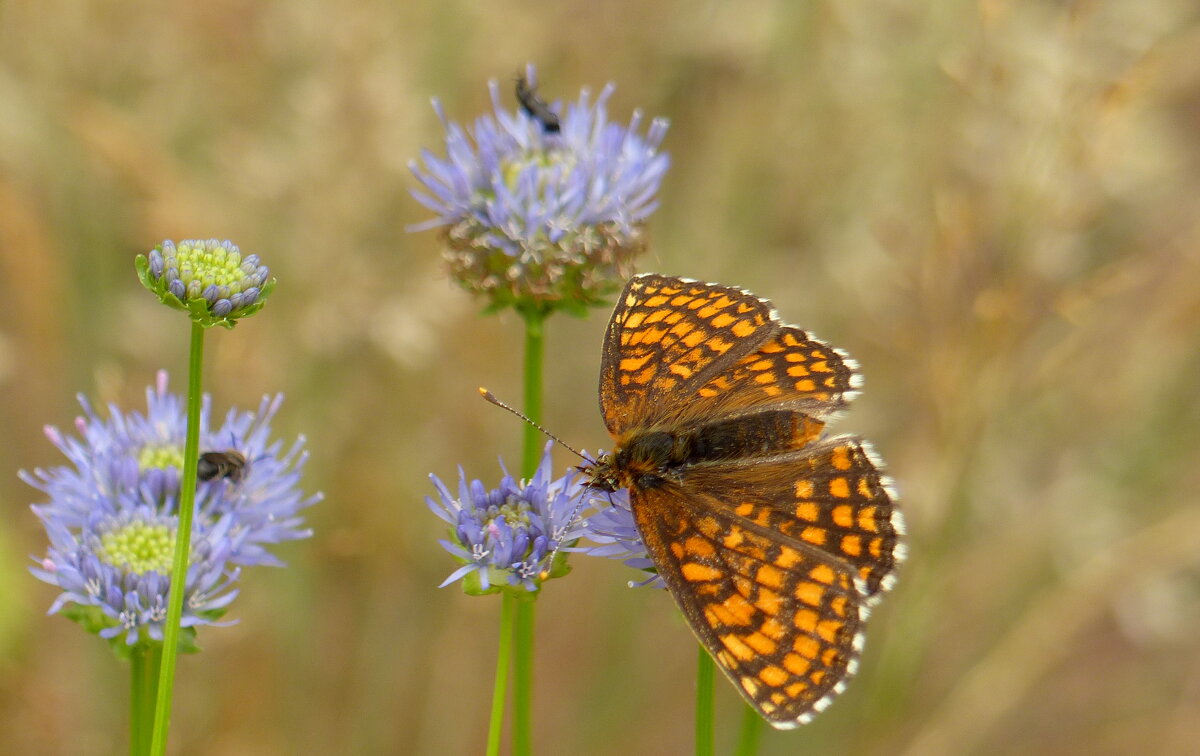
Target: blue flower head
509	536
209	280
111	514
543	210
612	528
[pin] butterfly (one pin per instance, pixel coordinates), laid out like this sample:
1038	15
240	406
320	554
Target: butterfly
774	539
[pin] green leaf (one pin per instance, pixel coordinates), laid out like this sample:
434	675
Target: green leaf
93	619
187	641
90	618
559	566
472	585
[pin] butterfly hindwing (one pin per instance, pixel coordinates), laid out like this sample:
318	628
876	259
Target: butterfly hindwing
780	618
830	494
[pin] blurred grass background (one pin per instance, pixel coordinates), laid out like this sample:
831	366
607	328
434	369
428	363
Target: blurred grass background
994	206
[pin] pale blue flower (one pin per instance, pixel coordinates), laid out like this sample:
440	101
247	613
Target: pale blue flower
612	528
535	217
111	513
511	535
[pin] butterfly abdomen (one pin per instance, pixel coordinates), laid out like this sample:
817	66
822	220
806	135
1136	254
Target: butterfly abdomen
648	458
755	435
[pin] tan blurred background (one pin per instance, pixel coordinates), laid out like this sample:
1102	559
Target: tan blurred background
992	205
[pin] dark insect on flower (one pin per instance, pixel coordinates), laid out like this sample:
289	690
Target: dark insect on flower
535	106
221	464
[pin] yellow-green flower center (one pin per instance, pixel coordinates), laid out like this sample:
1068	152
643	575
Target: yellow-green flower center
139	547
514	511
213	265
512	168
160	457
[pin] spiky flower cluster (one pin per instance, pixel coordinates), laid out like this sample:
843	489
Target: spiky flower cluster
543	219
511	535
210	280
111	514
610	525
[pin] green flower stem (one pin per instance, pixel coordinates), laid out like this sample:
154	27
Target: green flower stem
151	661
704	704
143	677
183	538
522	724
749	733
535	347
523	678
503	655
137	701
152	672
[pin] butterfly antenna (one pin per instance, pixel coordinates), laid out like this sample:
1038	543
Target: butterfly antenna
558	534
488	395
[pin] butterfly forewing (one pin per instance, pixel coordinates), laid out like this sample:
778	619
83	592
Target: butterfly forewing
679	351
666	339
790	369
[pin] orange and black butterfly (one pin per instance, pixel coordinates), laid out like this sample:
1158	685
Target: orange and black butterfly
774	539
